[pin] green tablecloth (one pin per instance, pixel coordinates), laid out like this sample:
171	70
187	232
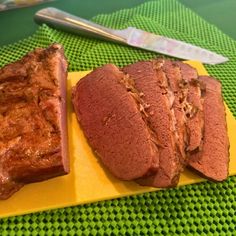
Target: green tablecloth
206	208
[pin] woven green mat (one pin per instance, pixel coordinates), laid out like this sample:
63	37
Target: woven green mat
200	209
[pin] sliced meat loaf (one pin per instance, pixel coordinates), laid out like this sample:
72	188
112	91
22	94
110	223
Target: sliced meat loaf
213	160
151	81
112	115
192	106
33	137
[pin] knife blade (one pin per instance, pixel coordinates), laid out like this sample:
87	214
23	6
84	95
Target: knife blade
130	36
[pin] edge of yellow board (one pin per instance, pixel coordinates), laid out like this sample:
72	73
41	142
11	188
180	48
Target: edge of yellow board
88	180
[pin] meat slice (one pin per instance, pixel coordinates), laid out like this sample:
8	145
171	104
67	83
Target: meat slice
151	81
212	161
112	115
193	107
33	138
175	81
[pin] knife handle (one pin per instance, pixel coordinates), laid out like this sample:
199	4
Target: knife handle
73	24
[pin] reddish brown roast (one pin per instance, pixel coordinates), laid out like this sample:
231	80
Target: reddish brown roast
111	113
213	160
151	81
33	137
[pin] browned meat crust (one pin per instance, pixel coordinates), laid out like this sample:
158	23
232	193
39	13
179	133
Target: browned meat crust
112	115
213	160
33	138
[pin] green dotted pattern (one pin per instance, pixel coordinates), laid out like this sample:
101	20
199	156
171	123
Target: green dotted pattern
199	209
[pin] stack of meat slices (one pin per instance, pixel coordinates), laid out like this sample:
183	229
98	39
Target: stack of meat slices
151	119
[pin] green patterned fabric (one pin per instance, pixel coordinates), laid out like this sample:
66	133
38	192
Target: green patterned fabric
199	209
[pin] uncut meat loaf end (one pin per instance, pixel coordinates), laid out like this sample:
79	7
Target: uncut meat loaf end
33	138
213	160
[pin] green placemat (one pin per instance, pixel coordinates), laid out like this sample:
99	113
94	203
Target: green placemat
200	209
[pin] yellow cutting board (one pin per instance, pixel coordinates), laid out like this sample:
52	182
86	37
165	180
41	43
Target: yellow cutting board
88	180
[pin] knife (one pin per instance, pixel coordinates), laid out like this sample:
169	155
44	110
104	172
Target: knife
129	36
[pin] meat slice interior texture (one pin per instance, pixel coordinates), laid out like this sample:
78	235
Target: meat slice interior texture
193	107
33	137
151	81
175	86
212	161
112	115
